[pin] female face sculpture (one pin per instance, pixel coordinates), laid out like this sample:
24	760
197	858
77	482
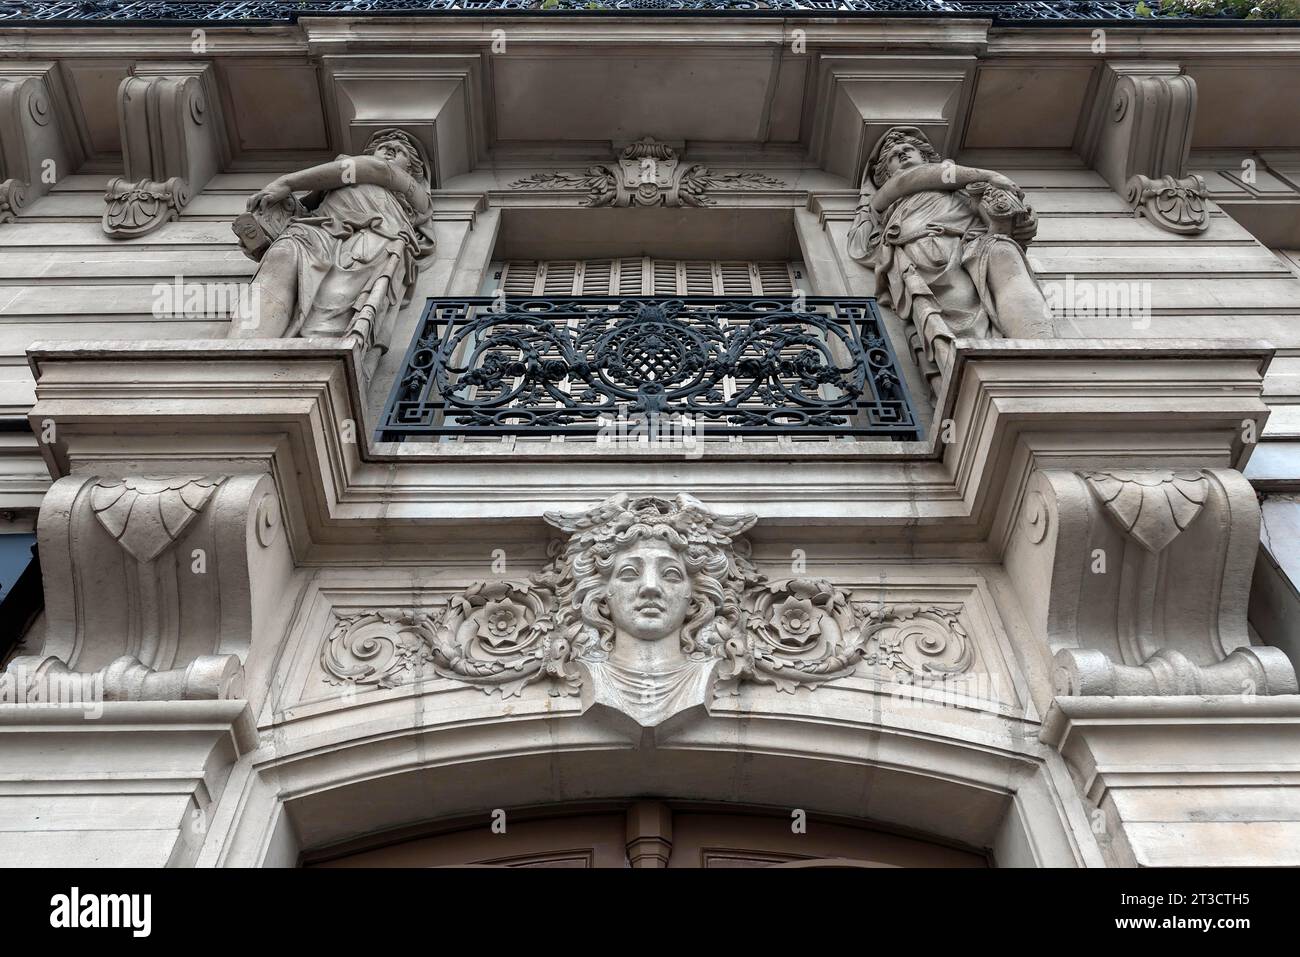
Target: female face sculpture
394	153
903	156
899	149
649	591
646	570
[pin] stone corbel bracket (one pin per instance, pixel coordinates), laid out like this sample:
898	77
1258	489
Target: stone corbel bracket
1139	137
148	579
34	153
1141	582
173	142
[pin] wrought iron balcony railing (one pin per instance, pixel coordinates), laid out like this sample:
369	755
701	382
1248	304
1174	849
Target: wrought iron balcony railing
594	365
1045	12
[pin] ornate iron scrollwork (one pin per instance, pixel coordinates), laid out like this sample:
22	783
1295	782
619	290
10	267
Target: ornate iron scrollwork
282	11
573	366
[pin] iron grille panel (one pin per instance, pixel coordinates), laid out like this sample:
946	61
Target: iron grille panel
283	11
480	367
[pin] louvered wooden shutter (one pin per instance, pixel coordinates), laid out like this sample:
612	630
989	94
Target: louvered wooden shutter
649	277
596	275
631	277
519	278
664	277
775	278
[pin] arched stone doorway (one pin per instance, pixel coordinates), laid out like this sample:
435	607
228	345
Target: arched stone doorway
648	834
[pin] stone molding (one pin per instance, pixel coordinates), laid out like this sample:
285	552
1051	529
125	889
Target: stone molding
432	96
1087	403
173	142
864	95
207	677
142	780
1189	780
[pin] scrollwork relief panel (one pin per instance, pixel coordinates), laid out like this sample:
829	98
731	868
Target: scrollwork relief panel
650	606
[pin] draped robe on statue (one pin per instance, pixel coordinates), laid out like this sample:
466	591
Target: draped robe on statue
931	259
653	697
360	244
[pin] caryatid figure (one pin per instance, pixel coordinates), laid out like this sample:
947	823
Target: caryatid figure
947	244
344	259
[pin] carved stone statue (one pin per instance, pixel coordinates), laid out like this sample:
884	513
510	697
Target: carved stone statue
343	260
947	244
654	582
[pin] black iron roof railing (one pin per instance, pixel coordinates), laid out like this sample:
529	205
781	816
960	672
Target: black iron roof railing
1045	12
619	367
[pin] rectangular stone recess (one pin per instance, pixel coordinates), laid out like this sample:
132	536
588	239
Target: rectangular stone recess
590	366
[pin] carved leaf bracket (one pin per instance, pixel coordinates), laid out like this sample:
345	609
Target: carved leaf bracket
173	142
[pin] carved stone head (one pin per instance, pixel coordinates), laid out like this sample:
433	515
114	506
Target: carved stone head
651	569
399	146
899	148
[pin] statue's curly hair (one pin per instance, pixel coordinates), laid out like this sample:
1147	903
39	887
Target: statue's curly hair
702	539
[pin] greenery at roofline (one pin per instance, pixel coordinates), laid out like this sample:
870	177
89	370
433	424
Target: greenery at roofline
1234	9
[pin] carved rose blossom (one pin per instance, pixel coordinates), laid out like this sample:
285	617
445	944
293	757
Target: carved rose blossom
500	622
798	623
498	614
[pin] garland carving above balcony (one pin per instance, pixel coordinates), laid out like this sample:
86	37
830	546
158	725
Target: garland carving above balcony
648	173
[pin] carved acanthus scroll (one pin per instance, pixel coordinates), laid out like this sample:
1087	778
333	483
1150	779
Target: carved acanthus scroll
1139	137
1177	205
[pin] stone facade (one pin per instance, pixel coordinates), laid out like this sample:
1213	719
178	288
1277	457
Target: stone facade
1058	627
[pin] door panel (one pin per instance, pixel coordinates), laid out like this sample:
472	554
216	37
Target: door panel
658	836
